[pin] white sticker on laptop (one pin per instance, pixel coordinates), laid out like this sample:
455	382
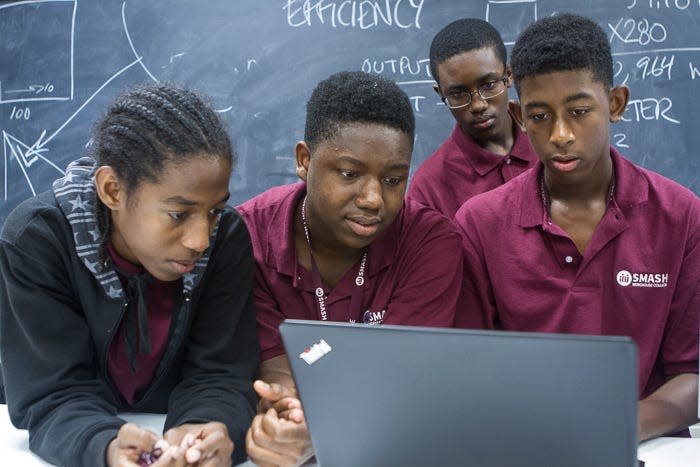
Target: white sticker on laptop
316	351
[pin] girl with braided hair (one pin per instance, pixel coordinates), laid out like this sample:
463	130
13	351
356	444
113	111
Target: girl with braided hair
127	287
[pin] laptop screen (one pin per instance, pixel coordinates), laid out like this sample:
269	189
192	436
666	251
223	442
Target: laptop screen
398	395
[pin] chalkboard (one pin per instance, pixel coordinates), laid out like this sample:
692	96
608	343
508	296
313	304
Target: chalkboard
63	61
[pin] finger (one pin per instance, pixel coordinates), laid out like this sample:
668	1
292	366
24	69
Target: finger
171	457
215	442
132	436
124	459
285	403
261	456
273	391
283	430
293	415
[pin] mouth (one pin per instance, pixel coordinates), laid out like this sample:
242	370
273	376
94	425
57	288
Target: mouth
364	226
565	163
483	123
183	267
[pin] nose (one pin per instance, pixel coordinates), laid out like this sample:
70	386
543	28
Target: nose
562	135
478	103
370	195
196	235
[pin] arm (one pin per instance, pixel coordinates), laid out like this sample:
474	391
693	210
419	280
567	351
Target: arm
53	386
221	351
670	408
674	406
478	309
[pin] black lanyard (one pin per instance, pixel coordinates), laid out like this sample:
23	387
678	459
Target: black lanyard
356	299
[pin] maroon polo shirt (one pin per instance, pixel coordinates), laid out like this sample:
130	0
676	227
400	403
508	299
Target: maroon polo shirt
460	169
639	275
160	300
413	276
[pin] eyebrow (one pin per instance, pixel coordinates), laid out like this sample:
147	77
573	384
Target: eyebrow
188	202
568	100
492	76
352	160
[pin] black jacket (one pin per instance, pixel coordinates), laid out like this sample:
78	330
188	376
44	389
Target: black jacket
61	302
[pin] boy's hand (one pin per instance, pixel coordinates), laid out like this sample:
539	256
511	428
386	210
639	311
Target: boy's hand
279	436
131	441
200	444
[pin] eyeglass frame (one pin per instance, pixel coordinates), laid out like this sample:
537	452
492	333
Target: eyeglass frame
504	79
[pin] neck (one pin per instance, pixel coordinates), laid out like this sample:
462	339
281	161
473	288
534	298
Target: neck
324	252
594	187
502	141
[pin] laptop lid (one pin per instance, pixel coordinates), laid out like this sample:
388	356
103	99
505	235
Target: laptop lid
413	396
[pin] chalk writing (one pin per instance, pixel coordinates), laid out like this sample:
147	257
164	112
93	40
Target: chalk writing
659	4
620	140
401	66
656	67
20	113
631	31
363	14
649	108
694	72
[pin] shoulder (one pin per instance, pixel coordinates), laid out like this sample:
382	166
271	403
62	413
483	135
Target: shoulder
433	165
503	207
506	197
417	223
34	221
661	195
269	204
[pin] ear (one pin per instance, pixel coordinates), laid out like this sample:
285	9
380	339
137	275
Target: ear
619	96
109	189
303	156
509	75
517	111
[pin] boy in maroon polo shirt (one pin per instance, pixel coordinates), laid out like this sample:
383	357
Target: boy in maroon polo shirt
487	147
588	242
343	245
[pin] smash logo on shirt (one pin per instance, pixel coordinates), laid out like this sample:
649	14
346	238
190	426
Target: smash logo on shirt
641	279
373	317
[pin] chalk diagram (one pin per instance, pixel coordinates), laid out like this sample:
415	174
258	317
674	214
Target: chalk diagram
22	88
511	17
25	82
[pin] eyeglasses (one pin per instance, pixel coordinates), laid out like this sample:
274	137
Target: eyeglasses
488	90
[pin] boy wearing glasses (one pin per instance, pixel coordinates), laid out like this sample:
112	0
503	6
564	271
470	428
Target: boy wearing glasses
486	148
587	242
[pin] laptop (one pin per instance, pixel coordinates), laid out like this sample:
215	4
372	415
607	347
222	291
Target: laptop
415	396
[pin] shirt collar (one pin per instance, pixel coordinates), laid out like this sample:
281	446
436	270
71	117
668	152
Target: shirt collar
484	161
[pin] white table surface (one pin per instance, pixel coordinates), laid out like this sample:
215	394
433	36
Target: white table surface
14	443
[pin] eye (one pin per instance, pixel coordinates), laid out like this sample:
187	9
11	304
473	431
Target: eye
489	85
216	212
580	112
393	181
539	117
177	216
348	174
457	94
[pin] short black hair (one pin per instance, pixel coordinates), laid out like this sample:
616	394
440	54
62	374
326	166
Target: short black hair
356	97
562	42
461	36
150	125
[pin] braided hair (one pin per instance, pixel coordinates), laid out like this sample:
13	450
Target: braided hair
151	125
